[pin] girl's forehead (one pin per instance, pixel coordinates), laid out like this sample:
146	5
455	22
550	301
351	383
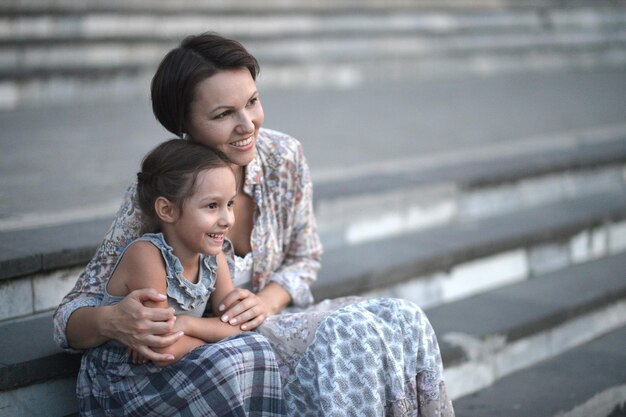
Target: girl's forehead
216	180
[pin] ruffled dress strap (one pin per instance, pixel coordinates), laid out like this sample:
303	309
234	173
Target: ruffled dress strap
184	296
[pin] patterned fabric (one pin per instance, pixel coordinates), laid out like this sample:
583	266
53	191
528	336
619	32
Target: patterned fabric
313	344
234	377
356	357
237	376
182	295
285	243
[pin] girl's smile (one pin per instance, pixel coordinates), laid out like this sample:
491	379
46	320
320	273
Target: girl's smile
201	224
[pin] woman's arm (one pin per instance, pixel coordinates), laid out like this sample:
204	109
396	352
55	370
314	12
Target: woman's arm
290	282
80	322
92	326
303	252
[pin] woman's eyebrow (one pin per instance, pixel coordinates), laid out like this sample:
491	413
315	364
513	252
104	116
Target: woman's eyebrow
227	107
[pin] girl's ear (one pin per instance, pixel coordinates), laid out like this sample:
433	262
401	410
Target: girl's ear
165	210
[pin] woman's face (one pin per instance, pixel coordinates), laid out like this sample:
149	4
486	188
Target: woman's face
226	114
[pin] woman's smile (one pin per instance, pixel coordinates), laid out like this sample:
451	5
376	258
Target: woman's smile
226	114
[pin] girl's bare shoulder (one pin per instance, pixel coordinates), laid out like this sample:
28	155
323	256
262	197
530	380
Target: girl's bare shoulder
142	263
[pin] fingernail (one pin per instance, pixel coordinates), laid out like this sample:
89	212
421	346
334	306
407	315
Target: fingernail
224	318
221	307
161	296
244	327
233	321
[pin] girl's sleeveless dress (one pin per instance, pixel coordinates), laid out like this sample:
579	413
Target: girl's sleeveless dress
237	376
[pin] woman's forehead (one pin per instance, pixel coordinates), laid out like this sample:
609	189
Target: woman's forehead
226	88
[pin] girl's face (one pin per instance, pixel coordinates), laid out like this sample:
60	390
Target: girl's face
206	215
226	114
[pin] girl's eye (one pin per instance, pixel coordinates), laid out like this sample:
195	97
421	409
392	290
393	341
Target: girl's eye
231	203
212	205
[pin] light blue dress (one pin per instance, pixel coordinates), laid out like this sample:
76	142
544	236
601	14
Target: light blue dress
236	376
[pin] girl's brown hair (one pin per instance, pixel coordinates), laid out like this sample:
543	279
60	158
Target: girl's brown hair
170	170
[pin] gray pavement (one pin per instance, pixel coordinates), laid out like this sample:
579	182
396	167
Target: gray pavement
61	163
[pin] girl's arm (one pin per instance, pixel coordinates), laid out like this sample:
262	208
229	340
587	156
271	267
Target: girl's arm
212	329
143	267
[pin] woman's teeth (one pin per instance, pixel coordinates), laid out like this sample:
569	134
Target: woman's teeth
215	235
243	142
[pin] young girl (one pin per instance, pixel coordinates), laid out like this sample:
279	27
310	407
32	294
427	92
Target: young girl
186	191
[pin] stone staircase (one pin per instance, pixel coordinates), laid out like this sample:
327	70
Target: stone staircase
524	270
57	51
516	250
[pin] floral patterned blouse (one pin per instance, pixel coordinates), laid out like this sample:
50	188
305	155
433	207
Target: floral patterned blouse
285	244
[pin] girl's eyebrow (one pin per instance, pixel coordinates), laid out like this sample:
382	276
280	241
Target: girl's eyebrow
211	197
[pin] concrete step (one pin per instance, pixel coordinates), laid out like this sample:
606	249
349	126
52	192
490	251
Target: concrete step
281	5
483	338
53	55
491	335
521	213
589	381
446	263
424	192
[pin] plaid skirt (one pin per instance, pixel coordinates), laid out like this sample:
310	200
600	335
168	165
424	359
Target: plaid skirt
237	376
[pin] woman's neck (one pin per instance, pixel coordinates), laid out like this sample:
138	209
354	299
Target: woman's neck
240	176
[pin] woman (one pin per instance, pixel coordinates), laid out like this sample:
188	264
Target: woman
340	357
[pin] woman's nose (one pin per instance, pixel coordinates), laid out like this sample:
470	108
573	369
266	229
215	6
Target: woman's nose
246	125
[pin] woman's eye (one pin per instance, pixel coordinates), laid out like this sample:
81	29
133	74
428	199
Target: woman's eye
231	203
212	205
253	101
223	115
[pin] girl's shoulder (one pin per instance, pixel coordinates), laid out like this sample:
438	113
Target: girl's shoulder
142	255
140	266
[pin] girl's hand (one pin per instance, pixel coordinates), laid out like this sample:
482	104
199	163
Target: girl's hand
142	328
244	308
136	357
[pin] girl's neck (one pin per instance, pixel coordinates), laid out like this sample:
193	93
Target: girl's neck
189	260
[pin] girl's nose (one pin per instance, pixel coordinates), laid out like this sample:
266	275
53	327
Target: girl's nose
227	217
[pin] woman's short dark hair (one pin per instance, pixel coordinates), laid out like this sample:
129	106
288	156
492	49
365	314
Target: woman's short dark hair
170	170
183	68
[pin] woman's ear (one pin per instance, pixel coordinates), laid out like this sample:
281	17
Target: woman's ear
165	210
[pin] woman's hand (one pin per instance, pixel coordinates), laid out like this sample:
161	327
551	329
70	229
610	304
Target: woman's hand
244	308
142	328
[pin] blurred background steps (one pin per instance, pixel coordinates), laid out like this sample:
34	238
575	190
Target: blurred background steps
505	289
68	51
467	155
584	382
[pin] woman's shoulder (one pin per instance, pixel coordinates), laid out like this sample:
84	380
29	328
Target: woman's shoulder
275	142
277	149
